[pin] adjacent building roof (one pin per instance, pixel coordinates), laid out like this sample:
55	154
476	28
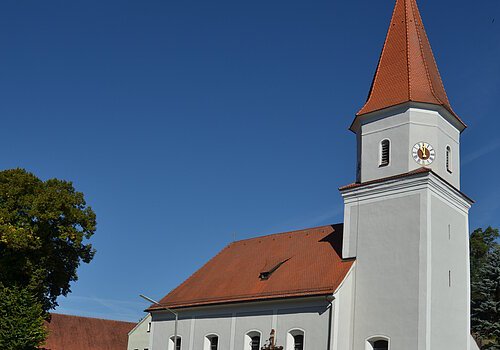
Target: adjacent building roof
84	333
407	70
292	264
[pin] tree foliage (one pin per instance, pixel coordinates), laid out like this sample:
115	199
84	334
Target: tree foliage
485	287
43	230
482	243
21	319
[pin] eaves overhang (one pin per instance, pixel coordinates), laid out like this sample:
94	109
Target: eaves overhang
367	118
192	305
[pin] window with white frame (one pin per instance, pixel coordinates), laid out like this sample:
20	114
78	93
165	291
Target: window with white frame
172	341
377	343
385	153
252	340
448	159
295	340
211	342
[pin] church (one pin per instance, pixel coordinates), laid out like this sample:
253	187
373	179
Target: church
394	275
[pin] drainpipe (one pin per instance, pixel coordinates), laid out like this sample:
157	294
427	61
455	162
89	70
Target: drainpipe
330	299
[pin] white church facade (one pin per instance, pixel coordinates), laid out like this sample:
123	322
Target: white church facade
394	275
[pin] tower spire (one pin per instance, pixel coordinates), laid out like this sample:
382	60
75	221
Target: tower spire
407	70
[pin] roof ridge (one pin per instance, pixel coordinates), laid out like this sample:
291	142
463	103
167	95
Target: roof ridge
422	53
408	63
90	317
285	233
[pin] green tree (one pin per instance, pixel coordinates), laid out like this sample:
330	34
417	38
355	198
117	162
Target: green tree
482	243
486	304
485	287
21	320
44	226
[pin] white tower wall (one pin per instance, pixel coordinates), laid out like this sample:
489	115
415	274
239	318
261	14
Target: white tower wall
404	126
405	255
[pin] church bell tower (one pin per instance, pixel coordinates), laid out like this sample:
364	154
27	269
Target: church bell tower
406	220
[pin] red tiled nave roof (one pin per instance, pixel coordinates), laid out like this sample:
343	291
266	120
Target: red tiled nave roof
310	259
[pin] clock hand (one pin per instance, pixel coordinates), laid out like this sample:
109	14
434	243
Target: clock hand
424	149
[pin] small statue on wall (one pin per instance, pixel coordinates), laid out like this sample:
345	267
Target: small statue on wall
271	343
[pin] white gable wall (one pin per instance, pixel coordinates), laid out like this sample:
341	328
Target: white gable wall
138	338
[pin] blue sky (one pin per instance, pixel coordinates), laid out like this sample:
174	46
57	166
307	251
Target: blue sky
188	123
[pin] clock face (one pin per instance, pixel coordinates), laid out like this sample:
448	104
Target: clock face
423	153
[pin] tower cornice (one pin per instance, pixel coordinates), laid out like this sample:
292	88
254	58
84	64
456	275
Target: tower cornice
402	184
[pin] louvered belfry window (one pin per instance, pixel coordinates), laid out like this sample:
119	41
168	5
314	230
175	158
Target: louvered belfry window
448	159
385	150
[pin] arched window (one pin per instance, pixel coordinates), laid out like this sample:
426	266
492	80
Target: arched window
385	153
377	343
295	340
448	159
252	340
211	342
171	343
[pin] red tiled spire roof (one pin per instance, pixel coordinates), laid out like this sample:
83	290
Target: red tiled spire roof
407	70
